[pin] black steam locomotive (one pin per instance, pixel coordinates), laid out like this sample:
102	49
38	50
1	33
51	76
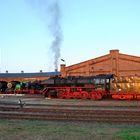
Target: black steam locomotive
92	87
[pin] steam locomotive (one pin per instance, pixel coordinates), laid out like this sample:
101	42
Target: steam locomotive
92	87
79	87
17	87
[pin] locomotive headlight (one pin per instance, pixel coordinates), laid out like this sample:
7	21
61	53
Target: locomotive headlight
107	80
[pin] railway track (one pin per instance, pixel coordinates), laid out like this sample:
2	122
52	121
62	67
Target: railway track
73	106
72	114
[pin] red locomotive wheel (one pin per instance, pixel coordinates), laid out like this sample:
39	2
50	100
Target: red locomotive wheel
68	96
99	96
76	95
61	94
93	96
84	95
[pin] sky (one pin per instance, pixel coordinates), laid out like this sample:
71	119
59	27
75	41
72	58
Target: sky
90	28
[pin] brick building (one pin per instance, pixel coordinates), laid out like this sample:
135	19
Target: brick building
112	63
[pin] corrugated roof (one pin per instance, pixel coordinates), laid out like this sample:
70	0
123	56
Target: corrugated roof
39	74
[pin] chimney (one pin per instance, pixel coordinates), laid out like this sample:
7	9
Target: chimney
22	71
63	70
114	51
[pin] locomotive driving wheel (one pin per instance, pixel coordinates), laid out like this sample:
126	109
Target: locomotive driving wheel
99	96
61	94
84	95
93	96
76	95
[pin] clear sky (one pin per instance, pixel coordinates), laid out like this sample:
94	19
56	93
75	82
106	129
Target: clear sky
90	29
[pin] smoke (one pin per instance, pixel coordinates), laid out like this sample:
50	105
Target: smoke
55	30
51	10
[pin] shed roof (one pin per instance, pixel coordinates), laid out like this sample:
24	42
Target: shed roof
39	74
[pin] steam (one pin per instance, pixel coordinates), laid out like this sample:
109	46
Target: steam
50	9
55	30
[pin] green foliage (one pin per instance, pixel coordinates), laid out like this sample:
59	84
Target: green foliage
131	134
41	130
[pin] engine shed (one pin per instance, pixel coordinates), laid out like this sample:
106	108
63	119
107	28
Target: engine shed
27	76
113	63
